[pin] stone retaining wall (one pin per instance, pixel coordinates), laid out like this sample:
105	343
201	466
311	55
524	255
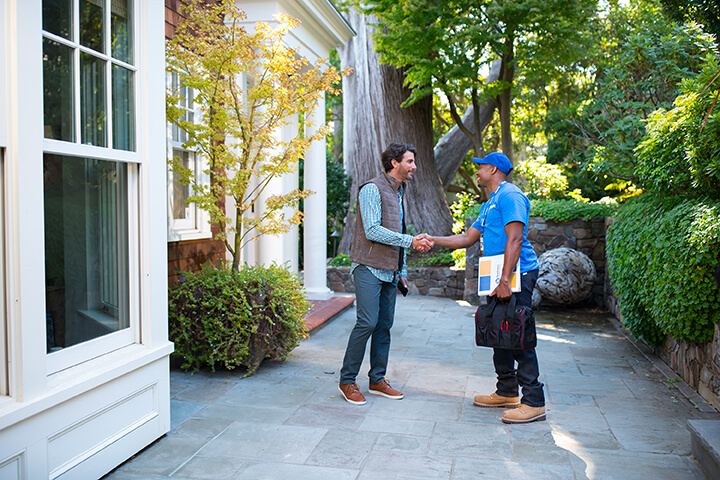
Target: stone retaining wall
586	236
435	281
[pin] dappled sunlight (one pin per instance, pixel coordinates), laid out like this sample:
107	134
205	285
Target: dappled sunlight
612	336
566	441
554	328
554	339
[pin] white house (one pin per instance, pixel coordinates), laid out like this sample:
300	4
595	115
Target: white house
84	376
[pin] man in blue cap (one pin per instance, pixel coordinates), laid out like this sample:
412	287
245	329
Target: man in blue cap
503	224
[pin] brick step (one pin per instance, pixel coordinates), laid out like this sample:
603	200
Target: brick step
324	310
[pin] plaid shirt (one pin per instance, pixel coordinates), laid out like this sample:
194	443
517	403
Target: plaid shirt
370	204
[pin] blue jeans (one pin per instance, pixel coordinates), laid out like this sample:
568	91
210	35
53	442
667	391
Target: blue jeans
528	371
375	303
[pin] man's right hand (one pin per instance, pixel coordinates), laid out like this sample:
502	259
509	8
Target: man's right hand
422	243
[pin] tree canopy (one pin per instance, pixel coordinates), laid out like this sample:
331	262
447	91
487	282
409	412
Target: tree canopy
448	46
636	67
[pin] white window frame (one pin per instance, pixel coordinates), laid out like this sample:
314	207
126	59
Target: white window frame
76	354
4	381
196	225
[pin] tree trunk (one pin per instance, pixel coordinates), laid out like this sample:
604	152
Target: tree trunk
505	99
373	118
454	145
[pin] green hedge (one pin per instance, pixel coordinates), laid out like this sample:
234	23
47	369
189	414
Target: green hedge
661	257
220	316
566	210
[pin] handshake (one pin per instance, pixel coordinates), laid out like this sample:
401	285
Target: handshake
423	242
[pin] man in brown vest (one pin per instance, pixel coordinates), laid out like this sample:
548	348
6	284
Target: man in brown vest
378	268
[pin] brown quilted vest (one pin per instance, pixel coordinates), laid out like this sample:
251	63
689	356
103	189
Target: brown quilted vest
375	254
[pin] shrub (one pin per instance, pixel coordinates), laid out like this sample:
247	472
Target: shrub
681	151
236	318
662	254
444	257
539	179
566	210
338	201
342	260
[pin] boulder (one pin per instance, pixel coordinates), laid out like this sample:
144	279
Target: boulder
566	277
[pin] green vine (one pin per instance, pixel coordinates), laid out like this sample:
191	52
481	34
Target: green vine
662	254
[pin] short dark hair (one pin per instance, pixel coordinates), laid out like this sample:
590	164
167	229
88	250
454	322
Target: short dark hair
395	151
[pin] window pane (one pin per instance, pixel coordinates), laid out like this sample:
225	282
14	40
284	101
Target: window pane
92	100
91	24
123	110
58	91
121	26
86	246
181	191
57	15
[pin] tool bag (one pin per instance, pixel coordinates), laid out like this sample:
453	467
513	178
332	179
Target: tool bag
505	325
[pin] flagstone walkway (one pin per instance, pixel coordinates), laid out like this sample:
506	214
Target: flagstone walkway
614	411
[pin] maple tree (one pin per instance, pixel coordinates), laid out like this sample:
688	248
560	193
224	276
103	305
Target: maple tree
247	85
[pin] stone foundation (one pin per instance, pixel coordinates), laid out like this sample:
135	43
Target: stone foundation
697	364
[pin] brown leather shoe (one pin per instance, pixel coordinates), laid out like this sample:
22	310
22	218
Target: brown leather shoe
383	388
524	414
352	394
495	400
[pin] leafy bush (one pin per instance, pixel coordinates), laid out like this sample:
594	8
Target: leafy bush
338	201
539	179
236	318
661	257
566	210
466	206
430	260
342	260
681	151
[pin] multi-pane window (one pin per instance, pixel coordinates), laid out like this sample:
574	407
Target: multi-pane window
186	220
90	203
88	75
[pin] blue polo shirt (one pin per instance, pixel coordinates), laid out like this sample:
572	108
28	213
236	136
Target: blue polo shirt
506	204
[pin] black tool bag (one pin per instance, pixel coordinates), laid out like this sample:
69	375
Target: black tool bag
505	325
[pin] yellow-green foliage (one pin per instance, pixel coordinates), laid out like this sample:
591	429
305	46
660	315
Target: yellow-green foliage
247	85
539	179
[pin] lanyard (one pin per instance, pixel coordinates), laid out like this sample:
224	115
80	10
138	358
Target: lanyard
490	203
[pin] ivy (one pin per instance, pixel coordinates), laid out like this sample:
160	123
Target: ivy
232	318
661	257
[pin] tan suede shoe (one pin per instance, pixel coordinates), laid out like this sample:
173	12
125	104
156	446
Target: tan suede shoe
524	414
495	400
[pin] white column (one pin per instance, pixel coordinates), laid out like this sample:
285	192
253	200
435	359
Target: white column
284	247
315	239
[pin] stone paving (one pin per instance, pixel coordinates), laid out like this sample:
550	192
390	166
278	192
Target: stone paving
614	411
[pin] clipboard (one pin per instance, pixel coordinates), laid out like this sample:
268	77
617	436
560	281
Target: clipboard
490	271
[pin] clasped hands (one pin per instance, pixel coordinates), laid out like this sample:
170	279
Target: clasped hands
423	242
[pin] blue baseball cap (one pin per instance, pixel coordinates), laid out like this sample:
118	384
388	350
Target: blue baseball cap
497	159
